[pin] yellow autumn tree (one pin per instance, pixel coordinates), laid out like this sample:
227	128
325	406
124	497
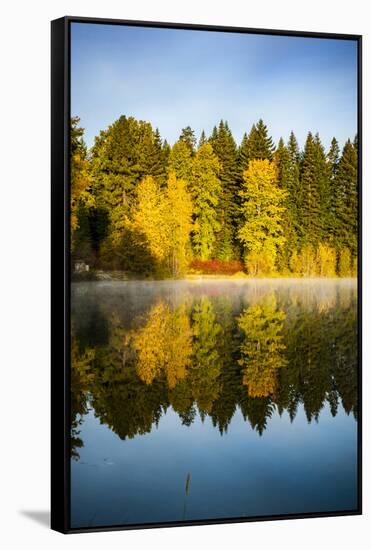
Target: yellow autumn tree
261	232
148	224
345	263
178	222
303	263
326	261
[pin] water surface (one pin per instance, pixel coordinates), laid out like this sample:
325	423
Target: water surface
196	400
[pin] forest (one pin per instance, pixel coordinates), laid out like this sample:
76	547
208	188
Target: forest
147	209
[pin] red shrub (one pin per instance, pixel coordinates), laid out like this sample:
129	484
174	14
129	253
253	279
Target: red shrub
217	267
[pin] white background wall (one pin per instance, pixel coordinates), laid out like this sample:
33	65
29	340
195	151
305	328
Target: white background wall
24	253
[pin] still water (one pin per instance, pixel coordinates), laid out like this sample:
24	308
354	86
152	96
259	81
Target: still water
196	400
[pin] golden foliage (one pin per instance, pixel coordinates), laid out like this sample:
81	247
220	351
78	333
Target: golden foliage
262	209
163	345
263	346
178	222
326	261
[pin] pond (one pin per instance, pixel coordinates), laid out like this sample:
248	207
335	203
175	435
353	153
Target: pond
212	399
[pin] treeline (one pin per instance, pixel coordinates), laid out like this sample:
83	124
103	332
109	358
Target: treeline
141	206
210	359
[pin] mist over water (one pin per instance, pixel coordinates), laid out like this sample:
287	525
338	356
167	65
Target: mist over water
209	399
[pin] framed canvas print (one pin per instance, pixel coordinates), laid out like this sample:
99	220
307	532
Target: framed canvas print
206	299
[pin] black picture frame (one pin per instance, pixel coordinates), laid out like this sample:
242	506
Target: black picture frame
61	279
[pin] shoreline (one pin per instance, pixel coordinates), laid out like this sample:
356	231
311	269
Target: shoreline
116	276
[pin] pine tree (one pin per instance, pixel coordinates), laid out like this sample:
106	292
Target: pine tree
333	157
323	177
293	182
346	201
151	161
206	189
244	154
333	162
122	156
309	199
80	172
187	136
202	139
180	161
282	160
225	148
257	145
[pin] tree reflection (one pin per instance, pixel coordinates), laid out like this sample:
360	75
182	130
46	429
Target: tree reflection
163	345
214	356
262	348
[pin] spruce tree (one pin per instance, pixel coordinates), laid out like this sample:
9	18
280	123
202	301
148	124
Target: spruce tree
180	161
333	162
257	145
282	160
166	152
323	177
225	148
346	201
202	139
206	189
293	180
333	157
187	136
151	161
309	199
243	154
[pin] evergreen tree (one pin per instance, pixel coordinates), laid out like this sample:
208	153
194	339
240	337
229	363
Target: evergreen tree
244	154
202	139
323	177
333	157
257	145
166	152
180	161
309	199
333	161
346	201
206	189
187	136
151	161
121	157
282	159
293	187
80	172
225	148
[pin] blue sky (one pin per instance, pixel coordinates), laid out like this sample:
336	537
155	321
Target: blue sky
175	78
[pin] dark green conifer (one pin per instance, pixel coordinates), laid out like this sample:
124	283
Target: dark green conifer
188	137
225	148
309	199
346	200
